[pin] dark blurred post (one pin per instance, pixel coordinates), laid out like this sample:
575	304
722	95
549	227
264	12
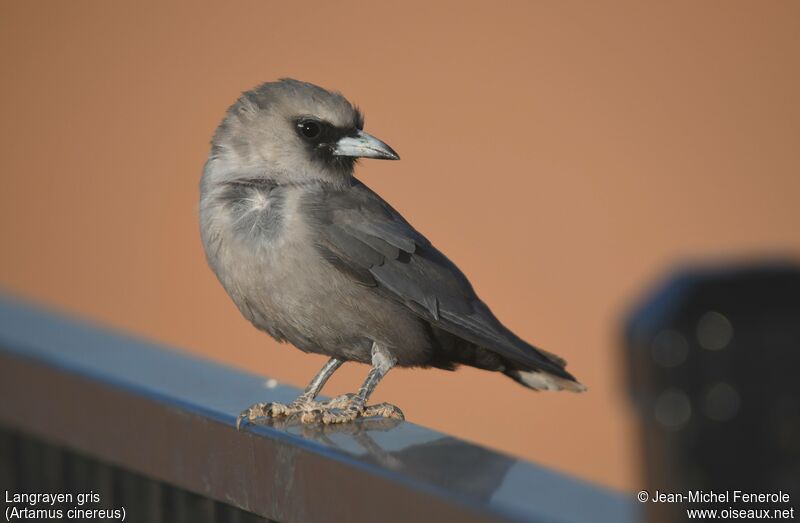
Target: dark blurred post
715	376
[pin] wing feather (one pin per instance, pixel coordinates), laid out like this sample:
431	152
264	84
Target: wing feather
365	238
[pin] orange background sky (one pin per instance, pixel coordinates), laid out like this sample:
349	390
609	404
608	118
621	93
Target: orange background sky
564	154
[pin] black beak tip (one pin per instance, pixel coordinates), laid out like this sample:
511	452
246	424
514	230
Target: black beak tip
391	154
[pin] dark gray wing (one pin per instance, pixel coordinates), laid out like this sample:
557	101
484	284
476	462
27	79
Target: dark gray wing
365	238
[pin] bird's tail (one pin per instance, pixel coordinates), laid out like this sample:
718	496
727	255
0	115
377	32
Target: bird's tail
542	380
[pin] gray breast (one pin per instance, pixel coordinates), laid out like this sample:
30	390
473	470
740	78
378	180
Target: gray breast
256	209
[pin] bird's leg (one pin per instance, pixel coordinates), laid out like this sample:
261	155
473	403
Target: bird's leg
303	404
351	406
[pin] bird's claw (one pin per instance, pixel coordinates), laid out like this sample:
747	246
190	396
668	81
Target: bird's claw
341	409
336	416
307	410
339	402
383	410
344	409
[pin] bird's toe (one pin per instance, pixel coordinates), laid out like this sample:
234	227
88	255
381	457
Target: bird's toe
252	413
307	410
339	402
383	410
345	412
335	416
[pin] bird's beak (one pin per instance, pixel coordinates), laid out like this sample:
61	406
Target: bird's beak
363	145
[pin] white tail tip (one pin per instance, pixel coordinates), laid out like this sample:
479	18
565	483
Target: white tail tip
544	381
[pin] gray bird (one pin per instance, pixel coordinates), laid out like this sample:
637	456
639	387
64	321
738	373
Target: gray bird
312	256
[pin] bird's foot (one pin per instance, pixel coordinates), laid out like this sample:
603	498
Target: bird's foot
347	408
341	409
306	409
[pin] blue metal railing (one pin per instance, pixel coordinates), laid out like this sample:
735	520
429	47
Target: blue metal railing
169	418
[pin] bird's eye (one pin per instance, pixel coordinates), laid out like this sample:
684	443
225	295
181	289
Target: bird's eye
309	129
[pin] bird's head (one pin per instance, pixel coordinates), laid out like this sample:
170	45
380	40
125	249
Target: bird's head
292	132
